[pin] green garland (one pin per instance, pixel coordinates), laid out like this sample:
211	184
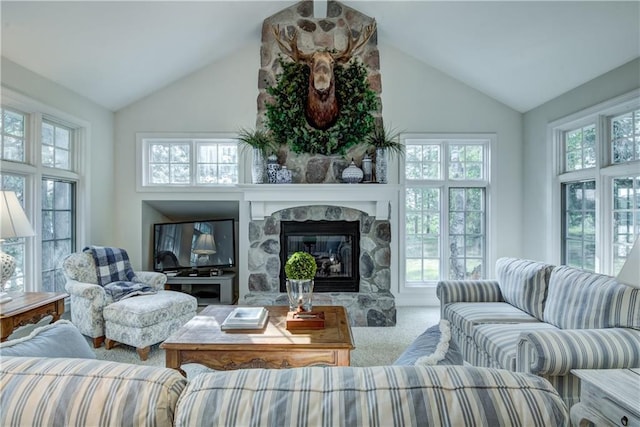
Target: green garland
286	118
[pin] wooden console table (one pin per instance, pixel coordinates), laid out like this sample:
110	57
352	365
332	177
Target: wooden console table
29	307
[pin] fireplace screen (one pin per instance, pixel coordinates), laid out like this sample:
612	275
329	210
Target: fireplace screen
335	245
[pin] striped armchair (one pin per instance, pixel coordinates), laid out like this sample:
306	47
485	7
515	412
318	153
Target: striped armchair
544	320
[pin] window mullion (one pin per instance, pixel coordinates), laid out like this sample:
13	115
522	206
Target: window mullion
193	178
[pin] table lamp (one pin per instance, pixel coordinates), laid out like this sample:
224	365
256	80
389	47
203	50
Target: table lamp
13	223
630	271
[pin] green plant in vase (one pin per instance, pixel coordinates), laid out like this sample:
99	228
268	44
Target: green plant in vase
262	144
300	270
385	143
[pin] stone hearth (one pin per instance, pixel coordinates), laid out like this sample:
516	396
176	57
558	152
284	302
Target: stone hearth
374	305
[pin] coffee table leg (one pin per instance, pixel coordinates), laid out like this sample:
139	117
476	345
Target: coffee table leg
173	361
6	328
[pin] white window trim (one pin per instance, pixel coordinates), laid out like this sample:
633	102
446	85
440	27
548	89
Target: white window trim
34	173
142	162
602	174
491	203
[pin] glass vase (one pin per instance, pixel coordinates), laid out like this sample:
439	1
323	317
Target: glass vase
258	167
300	293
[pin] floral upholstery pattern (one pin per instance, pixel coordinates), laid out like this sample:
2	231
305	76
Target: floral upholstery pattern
146	318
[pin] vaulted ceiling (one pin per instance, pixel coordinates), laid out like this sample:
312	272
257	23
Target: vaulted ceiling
518	52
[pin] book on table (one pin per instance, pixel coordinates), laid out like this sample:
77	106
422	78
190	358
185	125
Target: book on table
246	318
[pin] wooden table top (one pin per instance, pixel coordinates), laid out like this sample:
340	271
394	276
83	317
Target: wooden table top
26	301
203	332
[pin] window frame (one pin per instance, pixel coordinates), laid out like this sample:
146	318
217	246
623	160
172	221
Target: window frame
34	171
489	140
142	160
603	173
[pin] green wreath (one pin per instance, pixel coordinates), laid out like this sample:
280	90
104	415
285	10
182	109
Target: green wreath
285	116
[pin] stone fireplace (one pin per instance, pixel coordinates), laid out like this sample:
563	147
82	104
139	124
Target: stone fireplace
346	233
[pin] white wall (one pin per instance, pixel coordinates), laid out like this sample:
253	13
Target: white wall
222	98
219	98
538	148
100	167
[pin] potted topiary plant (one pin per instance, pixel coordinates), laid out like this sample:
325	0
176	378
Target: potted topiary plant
385	143
300	270
263	145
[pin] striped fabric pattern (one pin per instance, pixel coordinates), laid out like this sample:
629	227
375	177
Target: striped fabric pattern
376	396
583	300
76	392
450	291
467	315
500	341
556	352
524	283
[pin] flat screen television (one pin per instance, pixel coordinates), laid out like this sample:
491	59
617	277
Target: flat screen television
195	245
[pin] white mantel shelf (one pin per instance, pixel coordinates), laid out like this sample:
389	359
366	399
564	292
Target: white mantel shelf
374	199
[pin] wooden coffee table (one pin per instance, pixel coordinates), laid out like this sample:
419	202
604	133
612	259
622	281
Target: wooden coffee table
29	307
202	341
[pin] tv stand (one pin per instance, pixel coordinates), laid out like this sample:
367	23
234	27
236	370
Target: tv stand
208	289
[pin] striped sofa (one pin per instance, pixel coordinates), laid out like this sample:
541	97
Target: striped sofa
545	320
76	392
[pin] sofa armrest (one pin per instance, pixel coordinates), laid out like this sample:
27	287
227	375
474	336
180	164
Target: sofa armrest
152	278
558	351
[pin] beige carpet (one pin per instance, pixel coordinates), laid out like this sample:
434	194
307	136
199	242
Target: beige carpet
374	346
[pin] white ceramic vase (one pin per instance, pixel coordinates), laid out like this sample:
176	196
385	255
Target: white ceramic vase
382	161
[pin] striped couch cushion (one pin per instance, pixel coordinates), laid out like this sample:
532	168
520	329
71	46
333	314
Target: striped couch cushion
374	396
500	341
582	300
466	315
524	283
78	392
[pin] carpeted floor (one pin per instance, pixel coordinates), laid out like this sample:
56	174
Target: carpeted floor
374	346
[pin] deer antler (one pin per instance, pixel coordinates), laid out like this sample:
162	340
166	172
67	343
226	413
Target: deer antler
354	44
290	48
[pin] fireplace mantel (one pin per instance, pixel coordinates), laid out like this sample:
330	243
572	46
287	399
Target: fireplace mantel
373	199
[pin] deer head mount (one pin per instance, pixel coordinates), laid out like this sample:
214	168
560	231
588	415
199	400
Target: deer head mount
322	108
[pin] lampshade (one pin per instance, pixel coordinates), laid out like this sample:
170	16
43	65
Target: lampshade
630	271
205	245
13	220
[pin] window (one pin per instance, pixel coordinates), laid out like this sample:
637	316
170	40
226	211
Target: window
581	148
13	135
598	188
625	137
16	247
445	195
189	162
56	145
40	167
580	224
57	230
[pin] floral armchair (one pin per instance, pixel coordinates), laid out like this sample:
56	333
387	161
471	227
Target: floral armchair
88	299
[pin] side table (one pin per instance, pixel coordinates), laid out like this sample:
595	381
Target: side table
608	397
29	307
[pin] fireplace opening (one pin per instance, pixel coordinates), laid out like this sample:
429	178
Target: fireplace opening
335	245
